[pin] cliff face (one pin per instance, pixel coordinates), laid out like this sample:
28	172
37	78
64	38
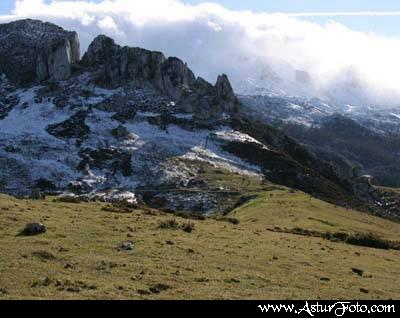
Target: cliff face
32	51
118	65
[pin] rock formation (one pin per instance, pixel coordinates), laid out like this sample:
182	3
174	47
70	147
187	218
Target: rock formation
118	65
225	95
32	51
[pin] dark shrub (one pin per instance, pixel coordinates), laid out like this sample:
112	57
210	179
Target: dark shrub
369	240
44	184
229	220
169	224
44	255
188	227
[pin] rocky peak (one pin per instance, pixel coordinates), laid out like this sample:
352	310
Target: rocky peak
177	77
33	51
100	51
226	96
118	65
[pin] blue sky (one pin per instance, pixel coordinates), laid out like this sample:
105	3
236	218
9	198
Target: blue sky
385	25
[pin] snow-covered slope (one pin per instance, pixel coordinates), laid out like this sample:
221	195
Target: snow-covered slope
119	120
30	152
277	106
355	137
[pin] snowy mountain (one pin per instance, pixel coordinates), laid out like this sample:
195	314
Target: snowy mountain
274	103
366	138
126	122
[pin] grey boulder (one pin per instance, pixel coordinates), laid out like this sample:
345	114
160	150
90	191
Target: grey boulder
34	229
126	246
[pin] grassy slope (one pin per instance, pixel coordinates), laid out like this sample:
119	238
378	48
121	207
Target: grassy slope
218	260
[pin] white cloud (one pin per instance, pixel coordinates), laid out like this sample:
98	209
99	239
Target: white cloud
273	49
107	24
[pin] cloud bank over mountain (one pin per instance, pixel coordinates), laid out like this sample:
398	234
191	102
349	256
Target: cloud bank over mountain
256	49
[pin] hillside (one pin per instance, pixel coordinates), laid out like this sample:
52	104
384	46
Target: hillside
246	255
340	138
360	138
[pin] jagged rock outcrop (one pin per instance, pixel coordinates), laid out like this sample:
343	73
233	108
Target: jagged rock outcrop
225	95
33	51
177	77
119	65
100	52
207	101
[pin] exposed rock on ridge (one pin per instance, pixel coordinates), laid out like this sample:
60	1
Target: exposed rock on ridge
121	64
33	51
118	65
